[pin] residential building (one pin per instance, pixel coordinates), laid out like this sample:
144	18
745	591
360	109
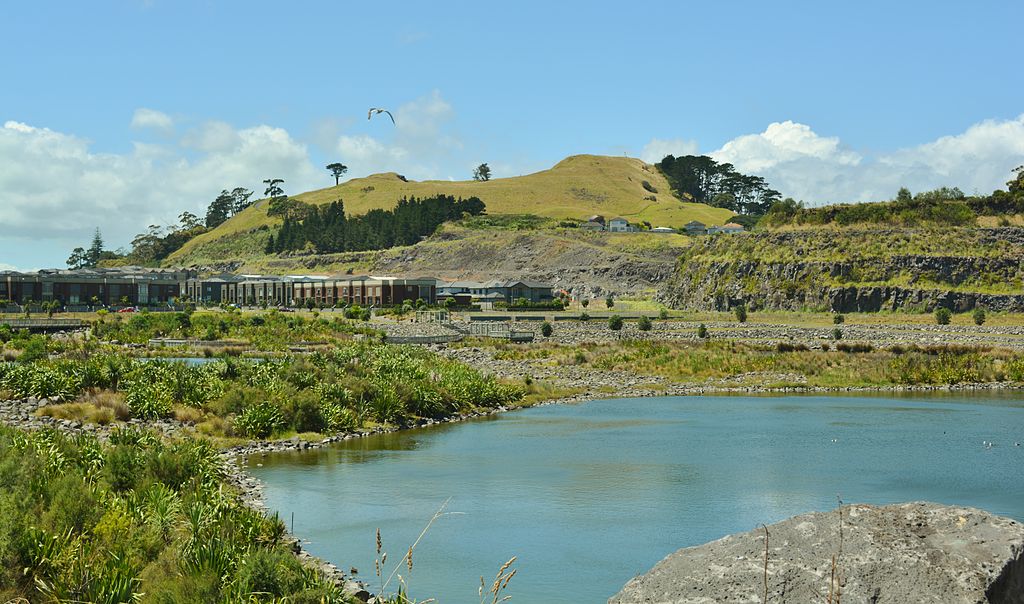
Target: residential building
695	227
497	291
726	229
620	225
256	290
663	230
131	285
592	225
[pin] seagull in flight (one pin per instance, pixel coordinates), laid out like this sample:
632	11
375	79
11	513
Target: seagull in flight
374	110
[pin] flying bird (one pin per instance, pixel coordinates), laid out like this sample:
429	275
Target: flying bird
374	110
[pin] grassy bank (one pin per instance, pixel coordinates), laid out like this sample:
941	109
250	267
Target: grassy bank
137	519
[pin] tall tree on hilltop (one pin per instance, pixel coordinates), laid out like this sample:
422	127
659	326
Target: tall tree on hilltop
240	199
95	251
274	189
482	172
337	171
188	221
220	209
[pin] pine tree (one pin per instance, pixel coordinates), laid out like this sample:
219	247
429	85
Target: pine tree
270	246
95	249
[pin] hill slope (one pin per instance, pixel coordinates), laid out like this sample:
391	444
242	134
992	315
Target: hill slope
576	187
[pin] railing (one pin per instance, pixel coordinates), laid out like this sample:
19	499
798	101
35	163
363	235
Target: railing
423	339
43	323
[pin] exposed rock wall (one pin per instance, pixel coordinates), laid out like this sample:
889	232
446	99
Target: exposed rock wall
861	272
895	554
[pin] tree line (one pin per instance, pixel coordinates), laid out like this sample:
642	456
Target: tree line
703	180
328	229
947	206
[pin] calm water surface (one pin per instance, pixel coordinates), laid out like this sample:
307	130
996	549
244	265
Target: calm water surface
588	496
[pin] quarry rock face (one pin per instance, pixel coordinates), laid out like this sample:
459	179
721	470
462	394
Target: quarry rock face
894	554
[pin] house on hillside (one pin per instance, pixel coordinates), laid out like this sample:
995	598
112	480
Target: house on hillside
620	225
596	218
662	230
695	227
730	228
592	225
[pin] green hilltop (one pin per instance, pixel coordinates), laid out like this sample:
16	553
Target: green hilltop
576	187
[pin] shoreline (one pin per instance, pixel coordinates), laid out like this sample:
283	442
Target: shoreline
236	460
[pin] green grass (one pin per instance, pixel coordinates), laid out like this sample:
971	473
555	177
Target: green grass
687	362
576	187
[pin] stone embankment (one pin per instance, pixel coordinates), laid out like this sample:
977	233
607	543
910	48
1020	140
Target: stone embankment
894	554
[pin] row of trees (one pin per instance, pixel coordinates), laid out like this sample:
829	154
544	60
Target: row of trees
947	206
328	229
227	204
703	180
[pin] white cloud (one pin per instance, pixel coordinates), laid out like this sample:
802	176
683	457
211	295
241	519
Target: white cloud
804	165
783	142
151	118
420	144
8	267
656	150
57	190
212	136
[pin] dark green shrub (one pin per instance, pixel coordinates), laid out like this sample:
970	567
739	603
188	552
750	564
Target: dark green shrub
702	331
663	314
837	334
741	313
303	412
644	324
979	316
584	316
545	329
943	316
838	319
615	322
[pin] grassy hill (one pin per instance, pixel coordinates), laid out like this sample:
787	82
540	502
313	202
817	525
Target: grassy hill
576	187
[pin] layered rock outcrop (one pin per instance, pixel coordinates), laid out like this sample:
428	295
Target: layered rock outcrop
861	271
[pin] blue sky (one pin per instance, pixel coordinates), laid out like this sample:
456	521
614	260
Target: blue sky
123	114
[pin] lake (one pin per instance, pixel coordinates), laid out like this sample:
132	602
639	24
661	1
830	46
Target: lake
588	496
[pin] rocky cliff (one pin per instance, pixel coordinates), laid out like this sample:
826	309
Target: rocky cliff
896	554
853	271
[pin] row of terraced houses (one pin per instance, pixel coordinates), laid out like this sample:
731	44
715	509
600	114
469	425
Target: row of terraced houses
132	286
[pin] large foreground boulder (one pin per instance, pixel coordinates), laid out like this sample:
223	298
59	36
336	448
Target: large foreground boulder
898	554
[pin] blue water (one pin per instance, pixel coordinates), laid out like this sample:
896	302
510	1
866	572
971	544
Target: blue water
591	495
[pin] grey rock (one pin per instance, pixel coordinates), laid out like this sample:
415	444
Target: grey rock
895	554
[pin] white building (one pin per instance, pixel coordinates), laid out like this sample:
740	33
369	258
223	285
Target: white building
620	225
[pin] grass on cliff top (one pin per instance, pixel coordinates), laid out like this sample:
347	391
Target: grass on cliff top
576	187
834	244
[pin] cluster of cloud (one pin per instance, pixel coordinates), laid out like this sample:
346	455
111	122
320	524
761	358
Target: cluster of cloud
817	169
56	188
